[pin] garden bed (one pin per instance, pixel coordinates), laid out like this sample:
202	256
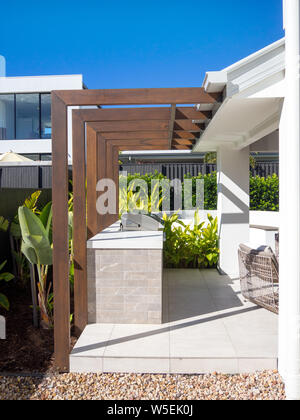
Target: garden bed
26	348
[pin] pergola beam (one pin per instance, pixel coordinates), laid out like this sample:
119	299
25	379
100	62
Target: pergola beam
155	96
138	135
140	125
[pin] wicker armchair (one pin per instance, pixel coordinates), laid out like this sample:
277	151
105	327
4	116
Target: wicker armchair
259	276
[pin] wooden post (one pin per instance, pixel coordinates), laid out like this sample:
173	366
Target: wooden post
61	285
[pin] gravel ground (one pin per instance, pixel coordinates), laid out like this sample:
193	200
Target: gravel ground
260	386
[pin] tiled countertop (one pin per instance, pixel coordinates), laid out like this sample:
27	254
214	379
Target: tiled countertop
113	238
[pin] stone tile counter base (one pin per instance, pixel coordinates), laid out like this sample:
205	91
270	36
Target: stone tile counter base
125	286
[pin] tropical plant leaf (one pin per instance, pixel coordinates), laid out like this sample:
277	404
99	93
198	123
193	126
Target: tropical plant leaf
35	235
31	201
6	276
4	224
46	214
4	302
29	253
15	230
2	265
70	224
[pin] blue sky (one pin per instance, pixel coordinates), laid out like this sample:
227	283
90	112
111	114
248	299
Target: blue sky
133	44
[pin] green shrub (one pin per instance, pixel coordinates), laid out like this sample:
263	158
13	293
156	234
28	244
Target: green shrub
190	247
264	192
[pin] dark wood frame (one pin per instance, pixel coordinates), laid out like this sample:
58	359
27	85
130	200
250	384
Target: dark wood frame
94	153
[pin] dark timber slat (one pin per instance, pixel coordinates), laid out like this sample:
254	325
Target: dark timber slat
113	126
187	125
187	113
138	135
171	124
180	134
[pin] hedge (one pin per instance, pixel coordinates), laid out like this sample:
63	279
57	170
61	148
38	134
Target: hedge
264	192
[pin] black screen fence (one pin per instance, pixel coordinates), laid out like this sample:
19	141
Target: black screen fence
179	170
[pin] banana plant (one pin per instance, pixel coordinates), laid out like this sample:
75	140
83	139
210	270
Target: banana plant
37	247
5	277
20	266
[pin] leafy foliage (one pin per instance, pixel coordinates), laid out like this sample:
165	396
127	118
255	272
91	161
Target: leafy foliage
37	248
4	277
264	191
189	246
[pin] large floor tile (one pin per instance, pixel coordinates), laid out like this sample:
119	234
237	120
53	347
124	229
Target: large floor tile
255	345
214	345
203	365
138	341
93	340
210	327
86	364
136	365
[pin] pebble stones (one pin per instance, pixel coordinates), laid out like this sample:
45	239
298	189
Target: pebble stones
259	386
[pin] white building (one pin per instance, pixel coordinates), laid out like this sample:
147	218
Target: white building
25	112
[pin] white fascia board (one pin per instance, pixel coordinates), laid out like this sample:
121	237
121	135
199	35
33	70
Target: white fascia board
250	58
40	83
26	146
215	81
252	73
254	80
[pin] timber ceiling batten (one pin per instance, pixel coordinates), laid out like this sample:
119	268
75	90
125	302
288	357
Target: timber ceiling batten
140	128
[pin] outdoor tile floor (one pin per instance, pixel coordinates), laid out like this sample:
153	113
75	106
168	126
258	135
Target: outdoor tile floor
208	327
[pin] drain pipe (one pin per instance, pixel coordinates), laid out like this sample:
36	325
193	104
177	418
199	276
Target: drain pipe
291	240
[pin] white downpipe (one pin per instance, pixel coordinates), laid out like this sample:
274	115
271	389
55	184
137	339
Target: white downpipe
291	240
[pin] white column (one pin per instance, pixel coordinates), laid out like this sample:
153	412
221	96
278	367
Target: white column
233	205
284	249
290	240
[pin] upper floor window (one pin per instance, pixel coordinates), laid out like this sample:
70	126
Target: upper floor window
25	116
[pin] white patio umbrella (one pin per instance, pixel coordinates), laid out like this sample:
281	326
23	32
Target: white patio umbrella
13	157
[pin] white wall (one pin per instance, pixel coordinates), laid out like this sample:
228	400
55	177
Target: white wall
264	218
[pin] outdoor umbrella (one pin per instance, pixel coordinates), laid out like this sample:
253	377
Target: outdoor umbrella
13	157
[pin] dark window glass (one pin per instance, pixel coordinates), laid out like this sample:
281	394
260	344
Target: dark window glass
32	156
27	116
46	157
7	117
46	116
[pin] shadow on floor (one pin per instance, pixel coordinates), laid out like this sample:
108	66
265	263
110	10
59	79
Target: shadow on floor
160	330
191	295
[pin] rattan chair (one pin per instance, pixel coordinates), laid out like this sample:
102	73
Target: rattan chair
259	276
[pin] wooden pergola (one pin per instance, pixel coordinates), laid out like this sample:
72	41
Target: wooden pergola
98	136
